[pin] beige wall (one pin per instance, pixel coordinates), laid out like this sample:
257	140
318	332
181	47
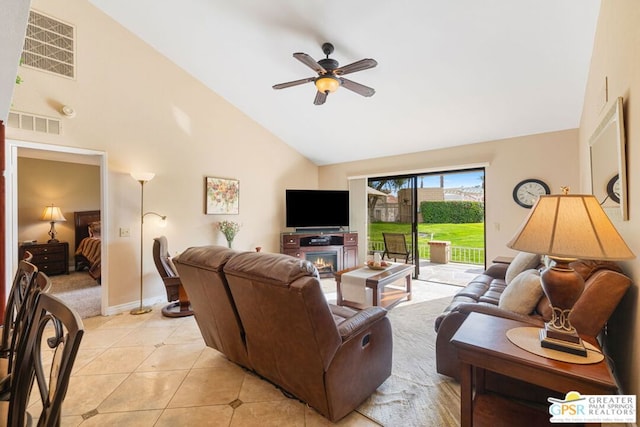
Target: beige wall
71	186
147	114
616	56
550	157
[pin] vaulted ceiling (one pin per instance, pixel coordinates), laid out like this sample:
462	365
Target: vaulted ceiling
449	72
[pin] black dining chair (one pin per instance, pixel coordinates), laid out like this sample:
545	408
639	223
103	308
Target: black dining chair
24	282
55	328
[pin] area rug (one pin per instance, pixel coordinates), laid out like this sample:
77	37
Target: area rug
415	394
79	291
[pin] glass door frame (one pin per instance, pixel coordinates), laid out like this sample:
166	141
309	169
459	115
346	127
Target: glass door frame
412	184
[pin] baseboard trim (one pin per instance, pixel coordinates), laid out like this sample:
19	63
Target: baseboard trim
126	307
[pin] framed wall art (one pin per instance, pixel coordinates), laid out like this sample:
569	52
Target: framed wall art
222	196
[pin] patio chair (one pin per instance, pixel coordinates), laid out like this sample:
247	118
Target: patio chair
395	246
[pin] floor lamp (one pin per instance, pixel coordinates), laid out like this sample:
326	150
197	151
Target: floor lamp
142	178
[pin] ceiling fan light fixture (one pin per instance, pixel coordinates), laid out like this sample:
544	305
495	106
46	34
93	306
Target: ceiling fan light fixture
327	84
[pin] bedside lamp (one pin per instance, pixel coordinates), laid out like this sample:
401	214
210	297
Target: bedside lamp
52	214
567	227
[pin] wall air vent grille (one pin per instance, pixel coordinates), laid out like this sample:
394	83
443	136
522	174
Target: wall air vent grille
34	123
49	45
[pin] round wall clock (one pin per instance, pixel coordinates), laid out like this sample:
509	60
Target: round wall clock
613	189
526	192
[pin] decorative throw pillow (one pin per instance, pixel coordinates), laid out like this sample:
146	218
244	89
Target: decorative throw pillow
522	261
523	293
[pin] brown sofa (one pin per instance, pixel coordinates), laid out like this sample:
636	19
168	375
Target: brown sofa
605	285
267	313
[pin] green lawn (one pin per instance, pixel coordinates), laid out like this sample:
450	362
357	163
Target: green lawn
465	235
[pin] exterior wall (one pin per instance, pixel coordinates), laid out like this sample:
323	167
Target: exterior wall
616	57
550	157
147	114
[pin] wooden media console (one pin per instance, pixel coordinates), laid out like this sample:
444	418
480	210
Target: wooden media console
329	252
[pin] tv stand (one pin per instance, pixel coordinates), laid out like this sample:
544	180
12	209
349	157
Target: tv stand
319	230
329	252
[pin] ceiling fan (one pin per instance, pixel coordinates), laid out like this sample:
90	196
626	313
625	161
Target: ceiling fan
330	74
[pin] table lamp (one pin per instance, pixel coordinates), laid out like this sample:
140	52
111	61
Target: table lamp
52	214
567	227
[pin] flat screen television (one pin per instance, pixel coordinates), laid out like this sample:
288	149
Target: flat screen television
317	208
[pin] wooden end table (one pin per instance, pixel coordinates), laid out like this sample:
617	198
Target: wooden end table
483	345
386	292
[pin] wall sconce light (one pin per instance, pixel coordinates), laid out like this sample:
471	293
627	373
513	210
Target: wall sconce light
52	214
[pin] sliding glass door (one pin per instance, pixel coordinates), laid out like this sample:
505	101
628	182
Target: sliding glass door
441	215
392	212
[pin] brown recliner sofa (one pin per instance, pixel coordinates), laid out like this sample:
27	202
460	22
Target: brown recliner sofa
202	276
605	285
271	310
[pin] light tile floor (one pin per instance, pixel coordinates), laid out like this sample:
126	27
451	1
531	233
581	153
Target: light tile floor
149	370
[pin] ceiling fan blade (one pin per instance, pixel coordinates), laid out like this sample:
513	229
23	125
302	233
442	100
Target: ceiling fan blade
310	62
357	87
321	97
293	83
363	64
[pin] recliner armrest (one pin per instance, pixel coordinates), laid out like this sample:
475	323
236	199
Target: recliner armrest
494	310
361	320
497	271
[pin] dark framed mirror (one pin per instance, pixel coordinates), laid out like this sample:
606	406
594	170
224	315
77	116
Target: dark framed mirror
609	164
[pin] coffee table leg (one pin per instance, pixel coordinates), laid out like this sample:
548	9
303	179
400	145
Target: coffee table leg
466	395
409	287
338	292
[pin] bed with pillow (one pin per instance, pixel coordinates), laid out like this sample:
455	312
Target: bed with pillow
514	291
88	242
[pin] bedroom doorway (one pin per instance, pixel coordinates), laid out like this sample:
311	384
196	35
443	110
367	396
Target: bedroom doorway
22	153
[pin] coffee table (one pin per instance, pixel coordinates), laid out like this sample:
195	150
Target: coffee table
389	286
482	345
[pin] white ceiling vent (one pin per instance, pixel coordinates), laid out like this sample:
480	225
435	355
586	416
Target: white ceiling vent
49	45
33	123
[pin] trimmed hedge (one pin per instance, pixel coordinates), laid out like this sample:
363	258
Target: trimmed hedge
455	212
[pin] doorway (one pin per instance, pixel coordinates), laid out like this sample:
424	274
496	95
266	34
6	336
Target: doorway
441	215
15	149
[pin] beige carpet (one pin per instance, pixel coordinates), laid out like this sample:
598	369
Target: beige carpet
79	291
415	395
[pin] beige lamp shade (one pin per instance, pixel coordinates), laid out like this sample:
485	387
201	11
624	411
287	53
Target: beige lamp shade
570	226
52	214
143	176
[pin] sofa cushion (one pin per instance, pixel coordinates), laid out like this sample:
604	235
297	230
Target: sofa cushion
521	262
523	293
543	308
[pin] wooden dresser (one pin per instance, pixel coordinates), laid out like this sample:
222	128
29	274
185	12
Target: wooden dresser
50	258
